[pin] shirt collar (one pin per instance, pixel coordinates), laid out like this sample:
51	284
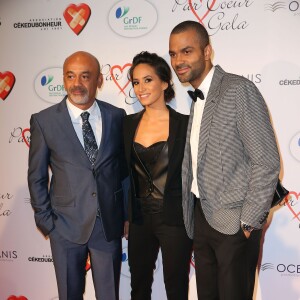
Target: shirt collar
205	84
75	112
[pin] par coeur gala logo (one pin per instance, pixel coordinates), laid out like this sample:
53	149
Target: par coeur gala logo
201	16
77	16
7	82
118	73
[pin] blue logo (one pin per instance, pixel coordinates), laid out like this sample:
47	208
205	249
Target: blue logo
295	146
46	79
124	257
121	12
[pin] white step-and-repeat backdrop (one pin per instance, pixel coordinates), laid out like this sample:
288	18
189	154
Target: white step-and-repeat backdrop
258	39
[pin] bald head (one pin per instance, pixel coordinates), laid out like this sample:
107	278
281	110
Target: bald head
82	56
82	77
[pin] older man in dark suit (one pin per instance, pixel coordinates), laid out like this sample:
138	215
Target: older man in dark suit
81	206
230	168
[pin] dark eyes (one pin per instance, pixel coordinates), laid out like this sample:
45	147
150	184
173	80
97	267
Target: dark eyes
146	80
185	52
83	77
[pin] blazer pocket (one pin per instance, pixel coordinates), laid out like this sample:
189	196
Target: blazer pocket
63	201
233	198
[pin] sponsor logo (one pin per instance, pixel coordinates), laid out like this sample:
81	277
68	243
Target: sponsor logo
20	135
13	297
44	258
289	82
193	260
295	146
7	82
125	268
275	6
77	16
132	18
267	266
27	200
291	6
8	255
40	23
292	202
118	74
282	269
4	212
217	15
201	16
255	78
49	85
88	263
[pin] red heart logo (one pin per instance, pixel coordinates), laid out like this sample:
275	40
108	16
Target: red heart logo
116	76
295	213
7	81
201	18
77	16
12	297
192	261
26	137
88	264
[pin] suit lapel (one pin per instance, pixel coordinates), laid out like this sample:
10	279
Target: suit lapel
209	109
173	125
65	122
106	119
173	129
132	126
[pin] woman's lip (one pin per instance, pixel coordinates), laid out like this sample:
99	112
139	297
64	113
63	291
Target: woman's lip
143	95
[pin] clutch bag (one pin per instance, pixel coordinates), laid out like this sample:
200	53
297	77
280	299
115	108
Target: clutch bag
280	193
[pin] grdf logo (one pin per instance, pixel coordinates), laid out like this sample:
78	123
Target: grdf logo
121	12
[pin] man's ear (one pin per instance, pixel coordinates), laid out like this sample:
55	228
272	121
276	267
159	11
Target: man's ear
207	52
100	80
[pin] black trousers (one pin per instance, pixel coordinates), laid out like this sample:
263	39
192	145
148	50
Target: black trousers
143	247
225	264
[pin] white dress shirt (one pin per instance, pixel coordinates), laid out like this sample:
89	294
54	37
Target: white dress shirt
94	119
195	130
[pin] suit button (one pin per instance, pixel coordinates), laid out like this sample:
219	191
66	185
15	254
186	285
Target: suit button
94	194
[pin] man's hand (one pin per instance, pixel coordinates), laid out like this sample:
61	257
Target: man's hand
247	233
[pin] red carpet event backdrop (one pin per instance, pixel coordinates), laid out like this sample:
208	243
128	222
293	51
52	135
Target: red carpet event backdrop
258	39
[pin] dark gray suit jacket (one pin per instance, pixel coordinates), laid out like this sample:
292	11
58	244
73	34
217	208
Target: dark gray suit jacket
69	202
238	160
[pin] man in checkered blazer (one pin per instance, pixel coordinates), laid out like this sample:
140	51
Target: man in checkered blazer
230	168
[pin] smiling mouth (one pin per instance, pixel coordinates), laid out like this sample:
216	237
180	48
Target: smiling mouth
144	96
181	71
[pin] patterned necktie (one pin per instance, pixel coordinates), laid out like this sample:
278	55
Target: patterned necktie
196	94
90	144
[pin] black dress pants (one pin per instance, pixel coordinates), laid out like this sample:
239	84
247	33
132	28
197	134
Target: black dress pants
143	247
225	264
